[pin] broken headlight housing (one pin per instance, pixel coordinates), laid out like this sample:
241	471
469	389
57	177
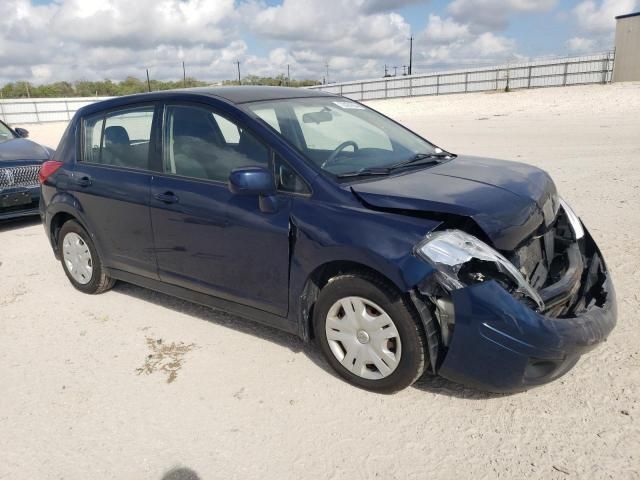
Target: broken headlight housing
574	221
461	260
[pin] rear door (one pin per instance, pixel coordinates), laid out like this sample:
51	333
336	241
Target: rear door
112	183
208	239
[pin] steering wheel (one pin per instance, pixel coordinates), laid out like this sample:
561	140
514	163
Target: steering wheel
338	149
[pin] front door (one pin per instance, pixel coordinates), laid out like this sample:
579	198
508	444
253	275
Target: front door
112	181
206	238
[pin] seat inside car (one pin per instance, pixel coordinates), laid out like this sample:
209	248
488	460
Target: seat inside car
194	145
116	145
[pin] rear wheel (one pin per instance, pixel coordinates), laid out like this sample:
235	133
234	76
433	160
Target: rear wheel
369	333
80	260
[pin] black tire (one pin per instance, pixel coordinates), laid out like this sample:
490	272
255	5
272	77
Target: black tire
413	360
100	282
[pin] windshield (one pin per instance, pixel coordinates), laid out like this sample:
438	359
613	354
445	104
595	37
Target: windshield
342	136
5	133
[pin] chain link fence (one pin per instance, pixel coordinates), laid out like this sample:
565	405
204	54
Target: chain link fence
42	110
561	72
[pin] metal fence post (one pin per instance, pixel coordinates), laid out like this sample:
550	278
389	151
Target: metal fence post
66	105
35	105
438	85
466	82
411	87
529	79
362	91
611	64
386	87
340	90
605	68
497	77
564	77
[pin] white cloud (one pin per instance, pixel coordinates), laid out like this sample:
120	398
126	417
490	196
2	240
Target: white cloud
331	26
97	39
491	45
494	14
145	23
599	18
373	6
581	45
446	43
336	32
445	30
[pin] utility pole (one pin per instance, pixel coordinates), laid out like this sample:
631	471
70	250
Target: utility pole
395	71
184	76
386	71
237	62
327	77
148	81
288	76
411	55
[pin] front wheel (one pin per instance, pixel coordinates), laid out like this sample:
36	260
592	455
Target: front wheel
80	260
369	333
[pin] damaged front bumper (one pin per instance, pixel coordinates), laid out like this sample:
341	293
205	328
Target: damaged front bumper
500	344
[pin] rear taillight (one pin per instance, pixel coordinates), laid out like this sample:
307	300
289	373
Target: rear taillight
47	169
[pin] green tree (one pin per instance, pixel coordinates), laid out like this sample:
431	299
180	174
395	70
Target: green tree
128	86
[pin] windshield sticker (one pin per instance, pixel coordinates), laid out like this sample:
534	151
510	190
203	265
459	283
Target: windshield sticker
349	105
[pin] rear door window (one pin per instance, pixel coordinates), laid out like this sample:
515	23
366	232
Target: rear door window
119	138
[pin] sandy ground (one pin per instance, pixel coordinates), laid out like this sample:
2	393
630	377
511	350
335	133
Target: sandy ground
85	380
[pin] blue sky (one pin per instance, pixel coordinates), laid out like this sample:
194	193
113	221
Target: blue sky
49	40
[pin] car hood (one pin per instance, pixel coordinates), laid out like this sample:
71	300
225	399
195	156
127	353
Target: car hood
23	149
509	201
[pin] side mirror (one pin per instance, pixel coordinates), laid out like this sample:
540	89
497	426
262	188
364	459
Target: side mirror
251	181
22	132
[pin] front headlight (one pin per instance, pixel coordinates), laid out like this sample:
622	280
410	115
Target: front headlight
461	259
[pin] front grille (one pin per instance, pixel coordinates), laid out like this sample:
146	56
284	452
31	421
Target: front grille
24	176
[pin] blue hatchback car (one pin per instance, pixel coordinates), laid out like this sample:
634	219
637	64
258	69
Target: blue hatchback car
314	214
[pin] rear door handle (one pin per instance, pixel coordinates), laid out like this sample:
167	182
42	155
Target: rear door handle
84	181
166	197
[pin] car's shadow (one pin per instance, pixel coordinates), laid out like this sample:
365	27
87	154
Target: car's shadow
180	473
18	223
427	383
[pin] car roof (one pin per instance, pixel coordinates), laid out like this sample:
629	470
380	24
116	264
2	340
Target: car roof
253	93
235	95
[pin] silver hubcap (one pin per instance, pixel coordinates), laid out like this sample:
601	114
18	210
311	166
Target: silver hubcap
77	258
363	338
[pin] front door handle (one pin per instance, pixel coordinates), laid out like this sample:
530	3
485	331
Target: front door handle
84	181
166	197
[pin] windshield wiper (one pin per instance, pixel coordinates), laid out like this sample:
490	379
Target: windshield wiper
433	157
363	172
418	157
